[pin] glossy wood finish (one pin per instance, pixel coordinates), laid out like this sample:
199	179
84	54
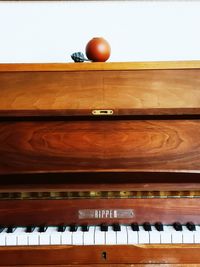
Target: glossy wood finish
58	255
105	66
192	64
55	212
97	146
126	92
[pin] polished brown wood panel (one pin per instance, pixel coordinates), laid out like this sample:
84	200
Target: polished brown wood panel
56	212
97	146
141	254
126	92
105	66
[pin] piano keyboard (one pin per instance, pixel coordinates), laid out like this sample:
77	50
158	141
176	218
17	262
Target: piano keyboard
115	234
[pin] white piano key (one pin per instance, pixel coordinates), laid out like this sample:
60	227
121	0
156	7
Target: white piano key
122	236
55	236
77	237
166	235
111	236
154	236
22	236
66	237
33	238
188	236
99	236
177	236
44	237
132	236
197	235
3	237
143	236
88	237
11	239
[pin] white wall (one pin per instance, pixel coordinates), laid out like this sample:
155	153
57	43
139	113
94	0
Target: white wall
136	30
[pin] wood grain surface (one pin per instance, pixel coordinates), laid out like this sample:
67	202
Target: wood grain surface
61	255
56	212
99	146
17	67
130	92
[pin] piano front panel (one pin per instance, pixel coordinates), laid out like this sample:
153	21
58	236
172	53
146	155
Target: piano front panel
93	146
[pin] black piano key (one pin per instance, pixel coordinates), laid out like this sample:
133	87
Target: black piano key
10	229
30	229
104	227
43	228
116	227
85	228
191	226
177	226
135	226
147	226
61	228
159	226
73	228
1	229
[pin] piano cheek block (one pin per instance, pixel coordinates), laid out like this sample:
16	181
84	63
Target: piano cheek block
99	164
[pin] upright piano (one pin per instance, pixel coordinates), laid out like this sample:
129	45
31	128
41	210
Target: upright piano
100	164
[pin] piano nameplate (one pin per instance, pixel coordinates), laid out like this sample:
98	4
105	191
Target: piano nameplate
105	214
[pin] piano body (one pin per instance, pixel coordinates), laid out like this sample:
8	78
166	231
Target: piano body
100	163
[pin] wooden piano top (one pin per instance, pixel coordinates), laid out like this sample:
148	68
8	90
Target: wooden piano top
100	66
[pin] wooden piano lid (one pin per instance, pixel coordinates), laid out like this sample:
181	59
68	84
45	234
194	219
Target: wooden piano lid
124	88
156	138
